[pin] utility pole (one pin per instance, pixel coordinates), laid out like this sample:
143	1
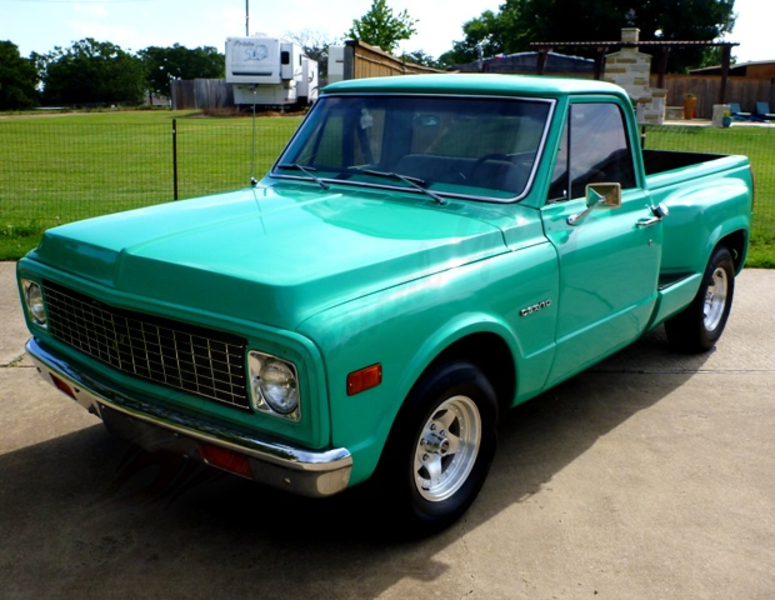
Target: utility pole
247	17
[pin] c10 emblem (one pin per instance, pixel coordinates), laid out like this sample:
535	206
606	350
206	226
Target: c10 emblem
535	308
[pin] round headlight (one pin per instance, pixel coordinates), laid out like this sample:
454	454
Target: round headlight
279	386
33	295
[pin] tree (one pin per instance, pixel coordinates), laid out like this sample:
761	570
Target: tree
486	35
178	62
315	45
379	27
18	79
520	22
419	57
92	72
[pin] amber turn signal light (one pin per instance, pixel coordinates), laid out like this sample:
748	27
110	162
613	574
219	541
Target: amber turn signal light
364	379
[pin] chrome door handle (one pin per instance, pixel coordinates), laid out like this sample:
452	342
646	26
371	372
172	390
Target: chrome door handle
648	222
659	212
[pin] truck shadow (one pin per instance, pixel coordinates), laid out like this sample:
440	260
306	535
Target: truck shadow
115	517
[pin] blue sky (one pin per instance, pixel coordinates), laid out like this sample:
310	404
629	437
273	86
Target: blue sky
39	25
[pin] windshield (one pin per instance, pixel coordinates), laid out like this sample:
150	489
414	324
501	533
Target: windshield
470	147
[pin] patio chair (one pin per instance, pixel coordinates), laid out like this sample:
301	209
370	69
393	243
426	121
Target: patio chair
737	113
763	111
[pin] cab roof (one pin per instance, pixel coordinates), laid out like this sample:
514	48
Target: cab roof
474	84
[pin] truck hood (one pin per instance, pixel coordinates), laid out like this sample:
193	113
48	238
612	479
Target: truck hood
272	254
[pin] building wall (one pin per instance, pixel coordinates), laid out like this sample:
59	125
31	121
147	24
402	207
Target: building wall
761	71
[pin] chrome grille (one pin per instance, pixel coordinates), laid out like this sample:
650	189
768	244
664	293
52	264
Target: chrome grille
203	362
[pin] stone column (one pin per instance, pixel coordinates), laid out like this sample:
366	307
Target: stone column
630	69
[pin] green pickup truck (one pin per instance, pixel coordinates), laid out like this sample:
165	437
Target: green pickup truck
427	252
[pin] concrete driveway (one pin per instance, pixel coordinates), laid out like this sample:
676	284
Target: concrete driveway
650	476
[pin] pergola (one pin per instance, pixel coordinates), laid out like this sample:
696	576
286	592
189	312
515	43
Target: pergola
664	46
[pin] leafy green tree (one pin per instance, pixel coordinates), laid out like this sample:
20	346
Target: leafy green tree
486	35
520	22
92	72
419	57
380	27
179	62
18	79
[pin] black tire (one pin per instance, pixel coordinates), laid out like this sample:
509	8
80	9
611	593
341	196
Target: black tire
699	326
439	451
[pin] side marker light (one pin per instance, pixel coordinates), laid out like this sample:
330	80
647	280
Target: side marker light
364	379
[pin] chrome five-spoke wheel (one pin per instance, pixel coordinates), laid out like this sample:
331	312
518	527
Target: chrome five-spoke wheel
715	299
439	450
699	326
447	449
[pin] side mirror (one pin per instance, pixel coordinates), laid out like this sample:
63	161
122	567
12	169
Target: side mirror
604	194
599	195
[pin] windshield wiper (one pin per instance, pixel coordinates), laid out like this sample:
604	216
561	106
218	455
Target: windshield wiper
308	171
415	182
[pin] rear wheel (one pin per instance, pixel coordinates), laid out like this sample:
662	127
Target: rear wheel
440	449
698	327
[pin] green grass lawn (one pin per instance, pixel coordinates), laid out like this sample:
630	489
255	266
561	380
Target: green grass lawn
60	168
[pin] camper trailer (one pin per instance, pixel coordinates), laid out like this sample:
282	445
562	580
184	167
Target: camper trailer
270	72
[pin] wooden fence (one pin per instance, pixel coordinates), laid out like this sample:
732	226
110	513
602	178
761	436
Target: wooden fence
362	61
190	94
746	92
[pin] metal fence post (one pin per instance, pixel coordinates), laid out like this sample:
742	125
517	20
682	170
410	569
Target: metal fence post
175	156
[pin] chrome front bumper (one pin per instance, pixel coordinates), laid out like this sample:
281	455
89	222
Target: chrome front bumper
303	472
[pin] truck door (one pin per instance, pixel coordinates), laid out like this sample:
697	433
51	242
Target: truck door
609	260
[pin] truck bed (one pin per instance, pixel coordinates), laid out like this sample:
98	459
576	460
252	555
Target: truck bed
661	161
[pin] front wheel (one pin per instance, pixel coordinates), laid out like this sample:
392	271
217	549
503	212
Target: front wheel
699	326
440	449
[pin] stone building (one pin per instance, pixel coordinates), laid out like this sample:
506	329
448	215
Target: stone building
630	69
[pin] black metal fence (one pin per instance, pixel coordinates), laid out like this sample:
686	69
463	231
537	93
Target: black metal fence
59	168
63	168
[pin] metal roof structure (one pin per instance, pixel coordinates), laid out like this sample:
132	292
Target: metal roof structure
622	44
603	47
525	62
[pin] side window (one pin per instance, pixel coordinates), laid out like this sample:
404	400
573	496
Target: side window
594	149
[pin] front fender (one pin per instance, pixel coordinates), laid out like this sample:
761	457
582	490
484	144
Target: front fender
405	328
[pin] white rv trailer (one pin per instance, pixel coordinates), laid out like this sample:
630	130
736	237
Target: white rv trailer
270	72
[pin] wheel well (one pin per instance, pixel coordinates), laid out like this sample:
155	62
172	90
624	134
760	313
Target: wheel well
735	243
492	355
